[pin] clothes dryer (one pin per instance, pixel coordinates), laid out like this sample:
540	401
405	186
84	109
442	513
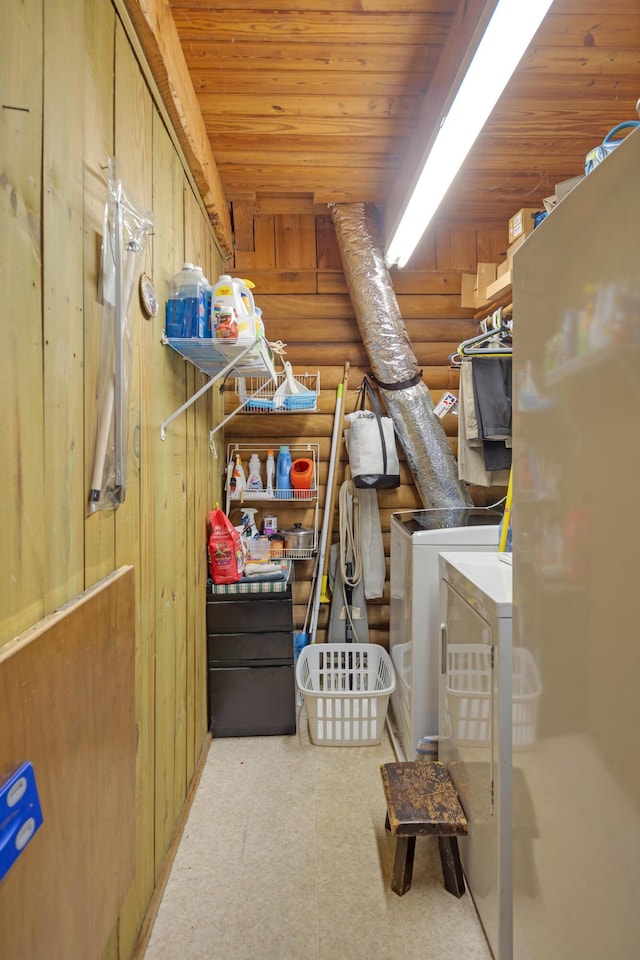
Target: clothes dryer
480	676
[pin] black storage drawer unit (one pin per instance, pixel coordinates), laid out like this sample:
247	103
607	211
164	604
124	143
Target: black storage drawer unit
252	701
251	680
243	647
249	612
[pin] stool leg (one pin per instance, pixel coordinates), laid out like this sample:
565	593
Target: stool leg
451	866
403	865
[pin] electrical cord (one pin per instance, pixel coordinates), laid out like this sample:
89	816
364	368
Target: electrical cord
349	530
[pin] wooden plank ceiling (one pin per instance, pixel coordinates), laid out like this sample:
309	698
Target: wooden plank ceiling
319	99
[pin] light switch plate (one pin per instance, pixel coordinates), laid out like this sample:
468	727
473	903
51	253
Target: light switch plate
20	815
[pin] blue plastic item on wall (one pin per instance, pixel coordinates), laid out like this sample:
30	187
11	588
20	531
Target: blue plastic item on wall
20	815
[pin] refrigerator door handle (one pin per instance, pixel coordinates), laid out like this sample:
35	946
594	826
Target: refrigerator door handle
443	649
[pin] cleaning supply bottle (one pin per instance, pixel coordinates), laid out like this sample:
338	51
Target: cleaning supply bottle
238	480
230	293
246	299
254	480
230	469
283	473
186	303
249	528
204	324
270	472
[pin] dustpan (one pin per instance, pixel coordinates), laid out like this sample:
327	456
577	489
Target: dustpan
297	396
291	394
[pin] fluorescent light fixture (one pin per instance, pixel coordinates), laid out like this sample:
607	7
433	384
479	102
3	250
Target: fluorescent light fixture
503	43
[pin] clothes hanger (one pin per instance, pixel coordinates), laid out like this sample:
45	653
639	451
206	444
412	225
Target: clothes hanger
496	330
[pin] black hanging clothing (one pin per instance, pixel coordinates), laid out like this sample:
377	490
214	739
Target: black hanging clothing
492	387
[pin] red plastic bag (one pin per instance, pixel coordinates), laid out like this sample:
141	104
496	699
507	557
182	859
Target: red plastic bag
226	557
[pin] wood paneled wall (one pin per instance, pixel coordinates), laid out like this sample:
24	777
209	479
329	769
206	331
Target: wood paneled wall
74	94
289	250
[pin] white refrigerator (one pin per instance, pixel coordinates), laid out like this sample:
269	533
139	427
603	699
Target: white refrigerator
576	542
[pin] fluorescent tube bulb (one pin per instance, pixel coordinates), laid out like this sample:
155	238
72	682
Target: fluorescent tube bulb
508	34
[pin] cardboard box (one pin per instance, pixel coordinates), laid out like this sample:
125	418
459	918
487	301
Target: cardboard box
512	249
468	290
485	274
473	289
499	287
503	268
522	223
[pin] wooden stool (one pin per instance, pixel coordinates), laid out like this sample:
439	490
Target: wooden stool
422	802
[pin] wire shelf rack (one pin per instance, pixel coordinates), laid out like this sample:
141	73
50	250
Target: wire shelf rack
260	394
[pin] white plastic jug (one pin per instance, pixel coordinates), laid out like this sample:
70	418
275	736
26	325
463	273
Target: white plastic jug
231	292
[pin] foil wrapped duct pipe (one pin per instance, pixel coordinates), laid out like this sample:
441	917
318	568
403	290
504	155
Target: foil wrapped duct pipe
393	361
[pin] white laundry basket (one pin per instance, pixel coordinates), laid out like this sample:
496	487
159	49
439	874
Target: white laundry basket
346	689
469	680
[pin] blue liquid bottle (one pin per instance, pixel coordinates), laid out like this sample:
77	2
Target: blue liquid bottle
283	474
186	303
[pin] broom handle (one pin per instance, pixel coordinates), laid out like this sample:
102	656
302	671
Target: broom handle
334	486
325	520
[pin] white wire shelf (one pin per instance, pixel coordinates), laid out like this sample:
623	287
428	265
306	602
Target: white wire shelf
217	359
282	498
278	496
249	355
266	395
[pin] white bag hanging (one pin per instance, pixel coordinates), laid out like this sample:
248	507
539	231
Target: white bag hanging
371	444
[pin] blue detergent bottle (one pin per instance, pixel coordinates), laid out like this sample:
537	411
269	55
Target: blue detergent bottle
186	303
204	316
283	474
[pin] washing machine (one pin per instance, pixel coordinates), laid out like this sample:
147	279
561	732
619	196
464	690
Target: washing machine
417	539
479	678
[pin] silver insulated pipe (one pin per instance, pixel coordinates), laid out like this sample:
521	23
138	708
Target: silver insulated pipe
393	362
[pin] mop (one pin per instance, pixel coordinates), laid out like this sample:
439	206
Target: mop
325	520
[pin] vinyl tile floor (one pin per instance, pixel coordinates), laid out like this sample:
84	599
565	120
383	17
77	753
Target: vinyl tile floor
285	857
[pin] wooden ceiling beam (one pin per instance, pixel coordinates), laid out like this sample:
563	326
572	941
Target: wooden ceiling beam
467	27
158	36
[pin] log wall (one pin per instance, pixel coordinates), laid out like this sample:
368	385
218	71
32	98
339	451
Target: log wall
289	250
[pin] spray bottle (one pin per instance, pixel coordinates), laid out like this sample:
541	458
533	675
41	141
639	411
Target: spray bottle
238	480
249	528
271	472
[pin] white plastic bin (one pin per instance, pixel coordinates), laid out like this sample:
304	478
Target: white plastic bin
346	688
469	695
